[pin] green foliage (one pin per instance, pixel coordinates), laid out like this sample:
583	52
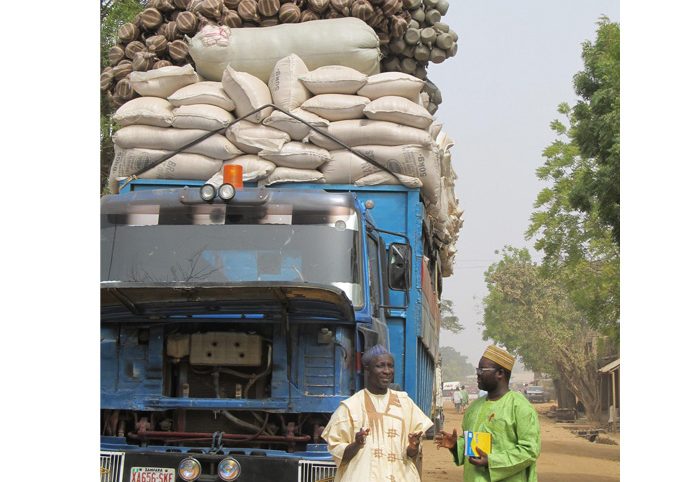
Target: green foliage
576	218
596	128
530	311
455	366
448	320
562	316
113	14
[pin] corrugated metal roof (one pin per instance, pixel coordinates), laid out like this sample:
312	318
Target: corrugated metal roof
612	366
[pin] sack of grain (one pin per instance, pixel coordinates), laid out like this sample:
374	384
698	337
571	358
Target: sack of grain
344	167
167	138
257	50
337	107
435	129
400	110
180	166
162	82
207	92
383	177
364	131
201	116
296	130
416	161
288	92
348	168
248	93
288	174
334	79
151	111
252	138
391	83
297	155
253	167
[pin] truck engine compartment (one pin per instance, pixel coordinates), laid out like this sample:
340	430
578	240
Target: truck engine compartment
219	379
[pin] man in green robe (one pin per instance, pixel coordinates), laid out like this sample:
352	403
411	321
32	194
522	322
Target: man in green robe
508	417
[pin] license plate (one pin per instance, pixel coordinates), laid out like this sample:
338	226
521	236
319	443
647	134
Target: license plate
152	474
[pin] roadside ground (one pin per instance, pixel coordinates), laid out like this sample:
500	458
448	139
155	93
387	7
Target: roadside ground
565	457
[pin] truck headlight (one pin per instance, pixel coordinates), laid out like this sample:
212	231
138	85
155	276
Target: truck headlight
189	469
229	469
227	192
207	192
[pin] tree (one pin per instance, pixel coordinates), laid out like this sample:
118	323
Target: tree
448	320
455	366
596	128
113	14
529	310
576	219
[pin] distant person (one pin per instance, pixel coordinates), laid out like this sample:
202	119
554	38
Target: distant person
508	417
464	397
375	435
457	400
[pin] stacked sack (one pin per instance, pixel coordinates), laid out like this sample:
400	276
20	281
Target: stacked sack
381	116
175	109
411	33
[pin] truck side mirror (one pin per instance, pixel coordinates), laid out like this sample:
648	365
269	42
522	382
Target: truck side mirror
399	266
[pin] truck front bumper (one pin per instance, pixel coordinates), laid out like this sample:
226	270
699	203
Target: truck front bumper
127	467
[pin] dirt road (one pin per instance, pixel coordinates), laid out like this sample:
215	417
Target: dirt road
565	457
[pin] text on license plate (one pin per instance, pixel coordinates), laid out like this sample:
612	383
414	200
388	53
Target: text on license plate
152	474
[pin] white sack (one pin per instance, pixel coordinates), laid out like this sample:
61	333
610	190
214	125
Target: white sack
150	111
334	79
435	129
343	41
336	107
347	168
383	177
180	166
363	131
392	83
397	109
297	155
162	82
201	116
252	138
410	160
248	93
288	174
170	139
296	130
253	167
288	92
206	92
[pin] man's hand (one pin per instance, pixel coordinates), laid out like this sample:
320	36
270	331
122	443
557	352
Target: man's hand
413	443
361	436
354	447
444	439
481	461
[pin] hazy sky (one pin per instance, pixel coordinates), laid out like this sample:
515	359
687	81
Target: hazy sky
514	66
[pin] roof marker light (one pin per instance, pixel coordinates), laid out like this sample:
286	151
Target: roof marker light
233	174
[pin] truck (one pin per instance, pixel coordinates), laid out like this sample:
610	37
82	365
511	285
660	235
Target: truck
233	326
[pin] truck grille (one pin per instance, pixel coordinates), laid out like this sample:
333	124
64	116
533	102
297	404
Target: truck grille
316	471
111	466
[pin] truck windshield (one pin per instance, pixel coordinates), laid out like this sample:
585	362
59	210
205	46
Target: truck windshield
232	244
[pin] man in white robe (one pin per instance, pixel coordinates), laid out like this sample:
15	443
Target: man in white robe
375	434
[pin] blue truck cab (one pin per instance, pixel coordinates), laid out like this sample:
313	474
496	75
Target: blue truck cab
231	330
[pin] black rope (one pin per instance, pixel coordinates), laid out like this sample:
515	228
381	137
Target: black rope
222	129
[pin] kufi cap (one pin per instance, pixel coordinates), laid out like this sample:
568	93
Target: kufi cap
373	352
500	356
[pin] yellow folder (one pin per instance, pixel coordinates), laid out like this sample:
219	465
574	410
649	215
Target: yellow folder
474	440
